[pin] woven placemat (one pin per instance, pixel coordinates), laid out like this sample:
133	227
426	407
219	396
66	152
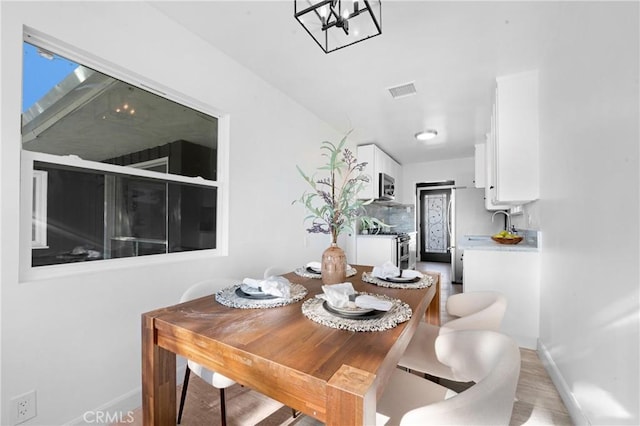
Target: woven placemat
228	297
424	282
399	313
303	272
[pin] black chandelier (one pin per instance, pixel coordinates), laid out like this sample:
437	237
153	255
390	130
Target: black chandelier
335	24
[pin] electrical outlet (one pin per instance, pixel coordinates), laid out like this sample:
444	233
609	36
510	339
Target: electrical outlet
23	407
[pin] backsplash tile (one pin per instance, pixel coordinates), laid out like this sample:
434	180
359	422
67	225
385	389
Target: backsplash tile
402	216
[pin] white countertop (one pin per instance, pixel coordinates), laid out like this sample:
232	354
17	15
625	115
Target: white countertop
484	242
411	234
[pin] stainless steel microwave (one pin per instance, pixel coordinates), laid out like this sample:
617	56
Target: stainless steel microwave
387	189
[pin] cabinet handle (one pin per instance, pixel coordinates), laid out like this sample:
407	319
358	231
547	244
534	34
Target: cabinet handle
491	187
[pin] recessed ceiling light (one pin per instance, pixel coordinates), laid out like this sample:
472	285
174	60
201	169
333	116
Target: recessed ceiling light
426	135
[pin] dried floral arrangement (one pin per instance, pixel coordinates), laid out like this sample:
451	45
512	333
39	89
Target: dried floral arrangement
333	202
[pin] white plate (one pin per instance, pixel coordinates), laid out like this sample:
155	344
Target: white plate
354	311
402	279
350	270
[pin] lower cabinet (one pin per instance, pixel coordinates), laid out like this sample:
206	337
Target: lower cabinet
516	275
375	250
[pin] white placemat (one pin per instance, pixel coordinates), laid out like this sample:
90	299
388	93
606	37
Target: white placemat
425	281
303	272
228	297
400	312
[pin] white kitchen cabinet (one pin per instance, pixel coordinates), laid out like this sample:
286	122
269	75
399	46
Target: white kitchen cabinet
516	275
366	154
375	250
377	162
480	165
515	140
490	201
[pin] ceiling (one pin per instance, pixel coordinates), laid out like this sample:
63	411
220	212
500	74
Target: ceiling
452	52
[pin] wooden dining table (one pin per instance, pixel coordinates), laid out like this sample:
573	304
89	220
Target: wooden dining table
333	375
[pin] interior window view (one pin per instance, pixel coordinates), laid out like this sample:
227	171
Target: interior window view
95	211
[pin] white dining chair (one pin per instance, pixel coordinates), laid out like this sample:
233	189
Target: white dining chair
488	358
480	310
217	380
275	270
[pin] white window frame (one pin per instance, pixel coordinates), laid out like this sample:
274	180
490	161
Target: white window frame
29	273
150	164
39	210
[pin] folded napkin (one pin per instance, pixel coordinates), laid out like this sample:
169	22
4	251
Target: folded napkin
316	266
342	296
274	285
387	270
338	294
367	301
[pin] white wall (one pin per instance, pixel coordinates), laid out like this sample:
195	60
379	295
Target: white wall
76	340
462	170
588	210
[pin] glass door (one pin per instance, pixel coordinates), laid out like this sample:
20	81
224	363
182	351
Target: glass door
436	212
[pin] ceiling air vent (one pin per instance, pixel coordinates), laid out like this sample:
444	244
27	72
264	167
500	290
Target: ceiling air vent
403	90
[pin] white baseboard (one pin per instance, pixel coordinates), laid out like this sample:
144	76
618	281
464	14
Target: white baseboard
577	415
117	410
120	409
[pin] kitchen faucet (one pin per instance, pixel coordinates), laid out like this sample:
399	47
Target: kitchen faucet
508	218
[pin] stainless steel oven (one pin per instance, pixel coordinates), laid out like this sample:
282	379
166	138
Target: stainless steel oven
403	258
402	248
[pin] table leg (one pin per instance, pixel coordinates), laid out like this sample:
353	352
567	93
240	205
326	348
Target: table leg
432	316
351	398
158	379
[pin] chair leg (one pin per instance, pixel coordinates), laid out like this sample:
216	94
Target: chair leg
185	384
294	413
223	409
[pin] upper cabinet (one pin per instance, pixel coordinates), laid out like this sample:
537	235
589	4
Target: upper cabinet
490	198
378	162
480	161
511	152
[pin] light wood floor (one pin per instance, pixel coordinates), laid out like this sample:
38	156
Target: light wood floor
537	400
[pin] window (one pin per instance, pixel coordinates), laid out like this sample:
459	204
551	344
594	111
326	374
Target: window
118	171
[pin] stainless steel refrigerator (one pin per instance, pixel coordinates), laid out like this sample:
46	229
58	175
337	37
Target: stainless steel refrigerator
468	217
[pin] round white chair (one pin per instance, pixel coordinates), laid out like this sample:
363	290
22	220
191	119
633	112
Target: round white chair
275	270
480	310
489	358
